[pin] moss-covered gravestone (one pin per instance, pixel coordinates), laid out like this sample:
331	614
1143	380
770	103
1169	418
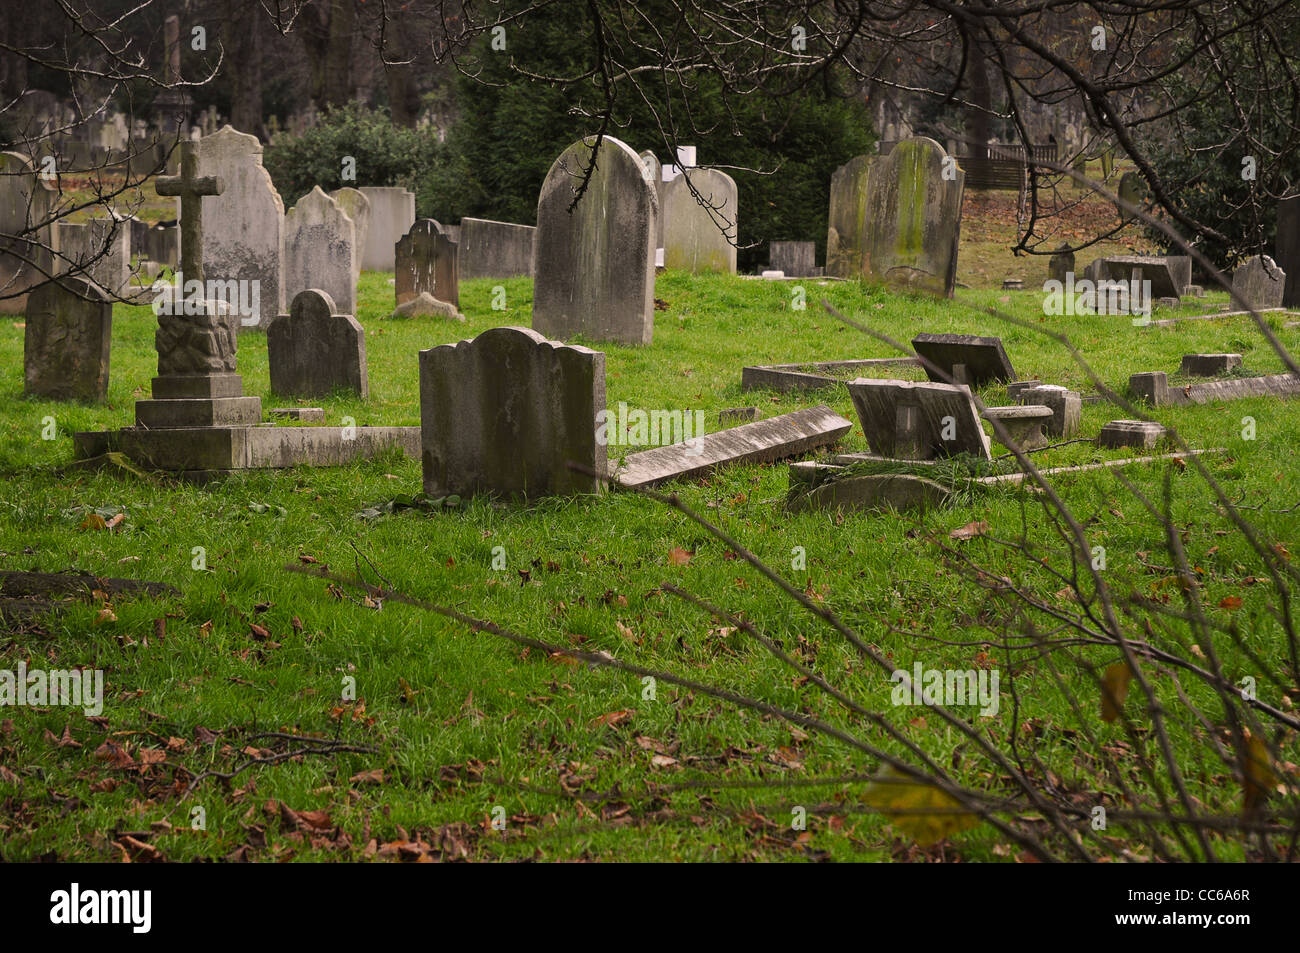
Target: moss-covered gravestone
595	264
507	412
700	233
66	341
896	219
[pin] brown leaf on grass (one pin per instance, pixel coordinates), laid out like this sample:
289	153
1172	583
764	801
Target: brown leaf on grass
104	615
304	558
970	530
678	556
152	755
93	521
1114	689
1258	777
7	776
258	632
67	741
203	736
663	761
114	522
614	718
1232	603
137	851
114	754
368	777
205	629
625	632
297	624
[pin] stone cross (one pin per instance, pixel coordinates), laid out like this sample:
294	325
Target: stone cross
191	187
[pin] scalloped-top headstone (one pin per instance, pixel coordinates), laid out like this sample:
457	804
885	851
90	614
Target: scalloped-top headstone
313	350
896	219
320	250
25	201
595	265
1260	282
506	413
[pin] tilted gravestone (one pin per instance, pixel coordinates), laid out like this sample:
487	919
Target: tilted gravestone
908	420
1061	264
896	218
506	413
357	207
320	250
99	250
392	213
1157	269
595	265
700	233
425	260
1288	248
1259	282
25	203
66	341
795	259
313	350
965	358
655	169
243	235
494	249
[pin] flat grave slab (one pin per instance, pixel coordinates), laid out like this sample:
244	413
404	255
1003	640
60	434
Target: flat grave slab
816	375
966	358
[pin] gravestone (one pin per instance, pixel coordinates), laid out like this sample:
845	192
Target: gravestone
244	232
896	218
1208	365
163	245
965	358
1021	425
495	249
506	412
320	250
26	201
1132	190
908	420
66	341
392	213
655	170
701	238
357	207
1061	264
425	261
1156	269
1259	282
1066	406
99	250
795	259
595	265
313	350
1180	270
1288	248
1143	434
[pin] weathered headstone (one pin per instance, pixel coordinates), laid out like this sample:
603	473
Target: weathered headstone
425	260
896	218
1066	407
1021	424
1288	248
27	254
495	249
320	250
1208	365
965	358
1144	434
244	232
1061	264
1132	191
357	207
1259	282
1157	269
656	171
506	413
700	237
313	350
162	245
1180	270
595	265
66	341
918	420
795	259
392	213
99	250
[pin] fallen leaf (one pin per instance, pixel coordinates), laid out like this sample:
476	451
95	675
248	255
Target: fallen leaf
614	718
970	530
1230	602
678	557
1114	689
922	811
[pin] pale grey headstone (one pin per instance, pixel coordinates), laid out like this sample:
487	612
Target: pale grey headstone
320	250
1259	282
25	203
700	233
357	207
795	259
495	249
392	213
918	420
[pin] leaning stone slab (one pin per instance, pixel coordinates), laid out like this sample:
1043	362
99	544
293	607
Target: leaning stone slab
965	358
1208	365
1153	387
507	412
595	264
869	493
313	350
495	249
814	376
1260	283
762	442
425	305
320	250
66	341
1131	433
905	420
1154	268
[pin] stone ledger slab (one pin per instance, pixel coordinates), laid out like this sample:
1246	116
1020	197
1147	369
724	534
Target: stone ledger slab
918	420
761	442
966	358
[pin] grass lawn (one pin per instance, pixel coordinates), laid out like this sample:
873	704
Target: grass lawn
581	762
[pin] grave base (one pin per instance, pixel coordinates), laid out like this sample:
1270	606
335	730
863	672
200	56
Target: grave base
200	453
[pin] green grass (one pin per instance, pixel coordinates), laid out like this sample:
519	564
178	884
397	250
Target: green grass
584	572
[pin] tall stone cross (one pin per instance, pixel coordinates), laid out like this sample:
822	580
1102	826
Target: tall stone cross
191	187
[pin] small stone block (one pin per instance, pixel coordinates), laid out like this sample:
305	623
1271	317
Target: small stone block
1066	406
1023	424
1208	365
1150	386
1016	388
1167	303
737	415
1012	284
311	415
1143	434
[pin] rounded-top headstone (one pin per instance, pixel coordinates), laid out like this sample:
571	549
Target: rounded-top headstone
700	232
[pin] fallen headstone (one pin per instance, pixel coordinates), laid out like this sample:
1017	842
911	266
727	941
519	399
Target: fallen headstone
1131	433
1208	365
814	376
901	492
917	421
965	358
